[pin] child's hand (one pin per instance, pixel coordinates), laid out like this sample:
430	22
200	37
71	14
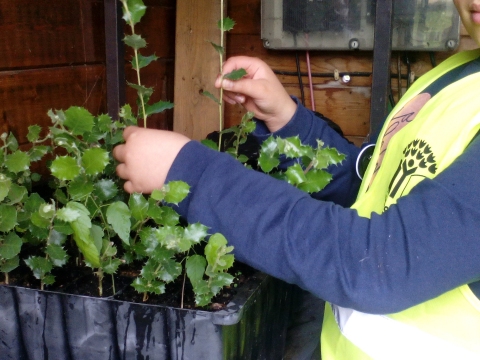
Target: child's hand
259	91
146	157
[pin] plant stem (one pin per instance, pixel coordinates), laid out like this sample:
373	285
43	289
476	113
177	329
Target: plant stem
183	289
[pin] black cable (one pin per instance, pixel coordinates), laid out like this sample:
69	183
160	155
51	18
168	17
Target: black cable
300	81
432	59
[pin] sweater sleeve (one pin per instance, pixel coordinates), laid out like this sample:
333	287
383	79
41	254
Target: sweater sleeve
421	247
310	127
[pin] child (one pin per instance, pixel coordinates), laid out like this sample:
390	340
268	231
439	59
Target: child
404	241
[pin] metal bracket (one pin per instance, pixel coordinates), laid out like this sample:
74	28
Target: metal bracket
382	48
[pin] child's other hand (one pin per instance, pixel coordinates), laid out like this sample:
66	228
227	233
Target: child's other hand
146	157
259	91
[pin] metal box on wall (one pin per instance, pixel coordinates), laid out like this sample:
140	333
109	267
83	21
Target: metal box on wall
427	25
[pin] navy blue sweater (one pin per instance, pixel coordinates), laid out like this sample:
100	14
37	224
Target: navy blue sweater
421	247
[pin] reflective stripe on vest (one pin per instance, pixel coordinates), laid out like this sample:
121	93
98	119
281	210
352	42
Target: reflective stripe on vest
415	333
383	338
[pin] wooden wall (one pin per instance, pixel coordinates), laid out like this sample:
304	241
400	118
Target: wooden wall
53	57
348	104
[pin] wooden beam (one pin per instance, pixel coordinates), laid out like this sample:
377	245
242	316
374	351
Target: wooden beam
196	67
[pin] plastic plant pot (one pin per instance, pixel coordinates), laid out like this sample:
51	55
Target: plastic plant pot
41	325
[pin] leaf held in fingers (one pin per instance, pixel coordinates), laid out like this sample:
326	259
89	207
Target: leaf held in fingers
211	96
235	74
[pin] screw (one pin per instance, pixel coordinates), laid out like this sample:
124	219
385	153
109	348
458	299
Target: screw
451	44
354	44
346	79
266	43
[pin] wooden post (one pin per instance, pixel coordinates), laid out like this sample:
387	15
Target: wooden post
196	67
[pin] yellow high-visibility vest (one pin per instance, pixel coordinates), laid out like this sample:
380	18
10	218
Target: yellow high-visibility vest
446	327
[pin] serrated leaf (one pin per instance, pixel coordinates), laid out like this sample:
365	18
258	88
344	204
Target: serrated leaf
216	253
158	107
158	195
5	184
12	142
57	237
138	206
10	246
118	215
105	189
211	96
210	144
295	174
235	74
141	90
169	271
78	120
228	24
40	266
58	256
219	49
292	147
17	193
170	217
39	221
315	181
17	162
65	168
94	160
111	266
80	188
195	267
176	191
33	133
144	286
8	217
195	232
135	41
143	61
328	156
9	265
133	11
38	152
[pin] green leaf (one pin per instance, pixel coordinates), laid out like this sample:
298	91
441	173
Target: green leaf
80	188
143	61
8	217
39	221
235	74
138	206
219	49
38	152
133	11
118	215
12	142
40	266
228	24
210	144
218	281
17	193
176	191
17	161
195	232
158	107
110	266
315	181
144	286
10	247
58	256
158	195
94	160
216	253
211	96
169	217
268	159
292	147
65	168
135	41
195	267
33	133
327	156
5	184
295	174
78	120
9	265
105	189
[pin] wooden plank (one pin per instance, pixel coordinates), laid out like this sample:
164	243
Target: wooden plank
51	32
27	95
196	67
158	29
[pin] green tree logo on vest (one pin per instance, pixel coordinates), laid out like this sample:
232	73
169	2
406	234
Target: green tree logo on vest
418	161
